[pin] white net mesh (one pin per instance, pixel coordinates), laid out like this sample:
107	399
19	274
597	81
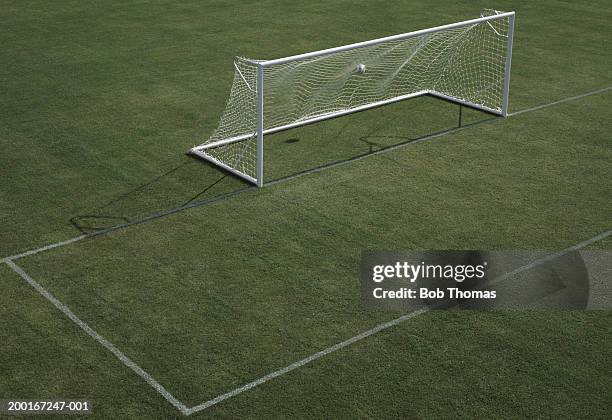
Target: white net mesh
239	118
466	63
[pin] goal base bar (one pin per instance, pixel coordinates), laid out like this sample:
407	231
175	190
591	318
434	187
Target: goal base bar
211	159
199	151
466	103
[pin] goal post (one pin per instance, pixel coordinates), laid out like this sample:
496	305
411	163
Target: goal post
465	62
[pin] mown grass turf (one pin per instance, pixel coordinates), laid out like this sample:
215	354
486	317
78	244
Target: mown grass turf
203	323
100	100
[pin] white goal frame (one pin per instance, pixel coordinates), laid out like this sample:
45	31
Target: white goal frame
261	131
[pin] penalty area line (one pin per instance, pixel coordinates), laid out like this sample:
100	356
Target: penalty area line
275	374
377	329
103	341
300	363
44	248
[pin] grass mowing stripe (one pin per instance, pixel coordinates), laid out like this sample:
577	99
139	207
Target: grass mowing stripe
225	196
103	341
377	329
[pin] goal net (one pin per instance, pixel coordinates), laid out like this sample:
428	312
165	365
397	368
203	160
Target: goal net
466	62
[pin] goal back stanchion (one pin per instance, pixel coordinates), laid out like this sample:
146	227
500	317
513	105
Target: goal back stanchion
508	65
465	62
260	123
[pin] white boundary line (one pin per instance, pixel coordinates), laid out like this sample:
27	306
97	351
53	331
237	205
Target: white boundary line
45	248
305	361
107	344
188	411
231	194
377	329
145	219
560	101
158	387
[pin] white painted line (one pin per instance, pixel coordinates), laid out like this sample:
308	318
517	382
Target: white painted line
377	329
305	361
188	411
142	220
279	181
158	387
553	256
109	346
45	248
560	101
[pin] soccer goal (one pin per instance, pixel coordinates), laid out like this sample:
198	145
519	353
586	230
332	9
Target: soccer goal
465	62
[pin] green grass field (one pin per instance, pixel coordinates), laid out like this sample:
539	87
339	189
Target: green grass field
211	283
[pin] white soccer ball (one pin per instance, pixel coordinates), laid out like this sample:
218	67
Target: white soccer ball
360	68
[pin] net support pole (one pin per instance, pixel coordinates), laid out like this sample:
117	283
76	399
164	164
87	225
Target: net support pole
260	125
508	65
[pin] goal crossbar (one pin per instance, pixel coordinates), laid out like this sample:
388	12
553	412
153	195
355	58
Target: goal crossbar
407	35
257	92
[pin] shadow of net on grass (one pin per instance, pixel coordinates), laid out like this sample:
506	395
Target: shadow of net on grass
184	185
378	144
173	189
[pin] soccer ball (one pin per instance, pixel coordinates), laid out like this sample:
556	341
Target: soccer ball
360	68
